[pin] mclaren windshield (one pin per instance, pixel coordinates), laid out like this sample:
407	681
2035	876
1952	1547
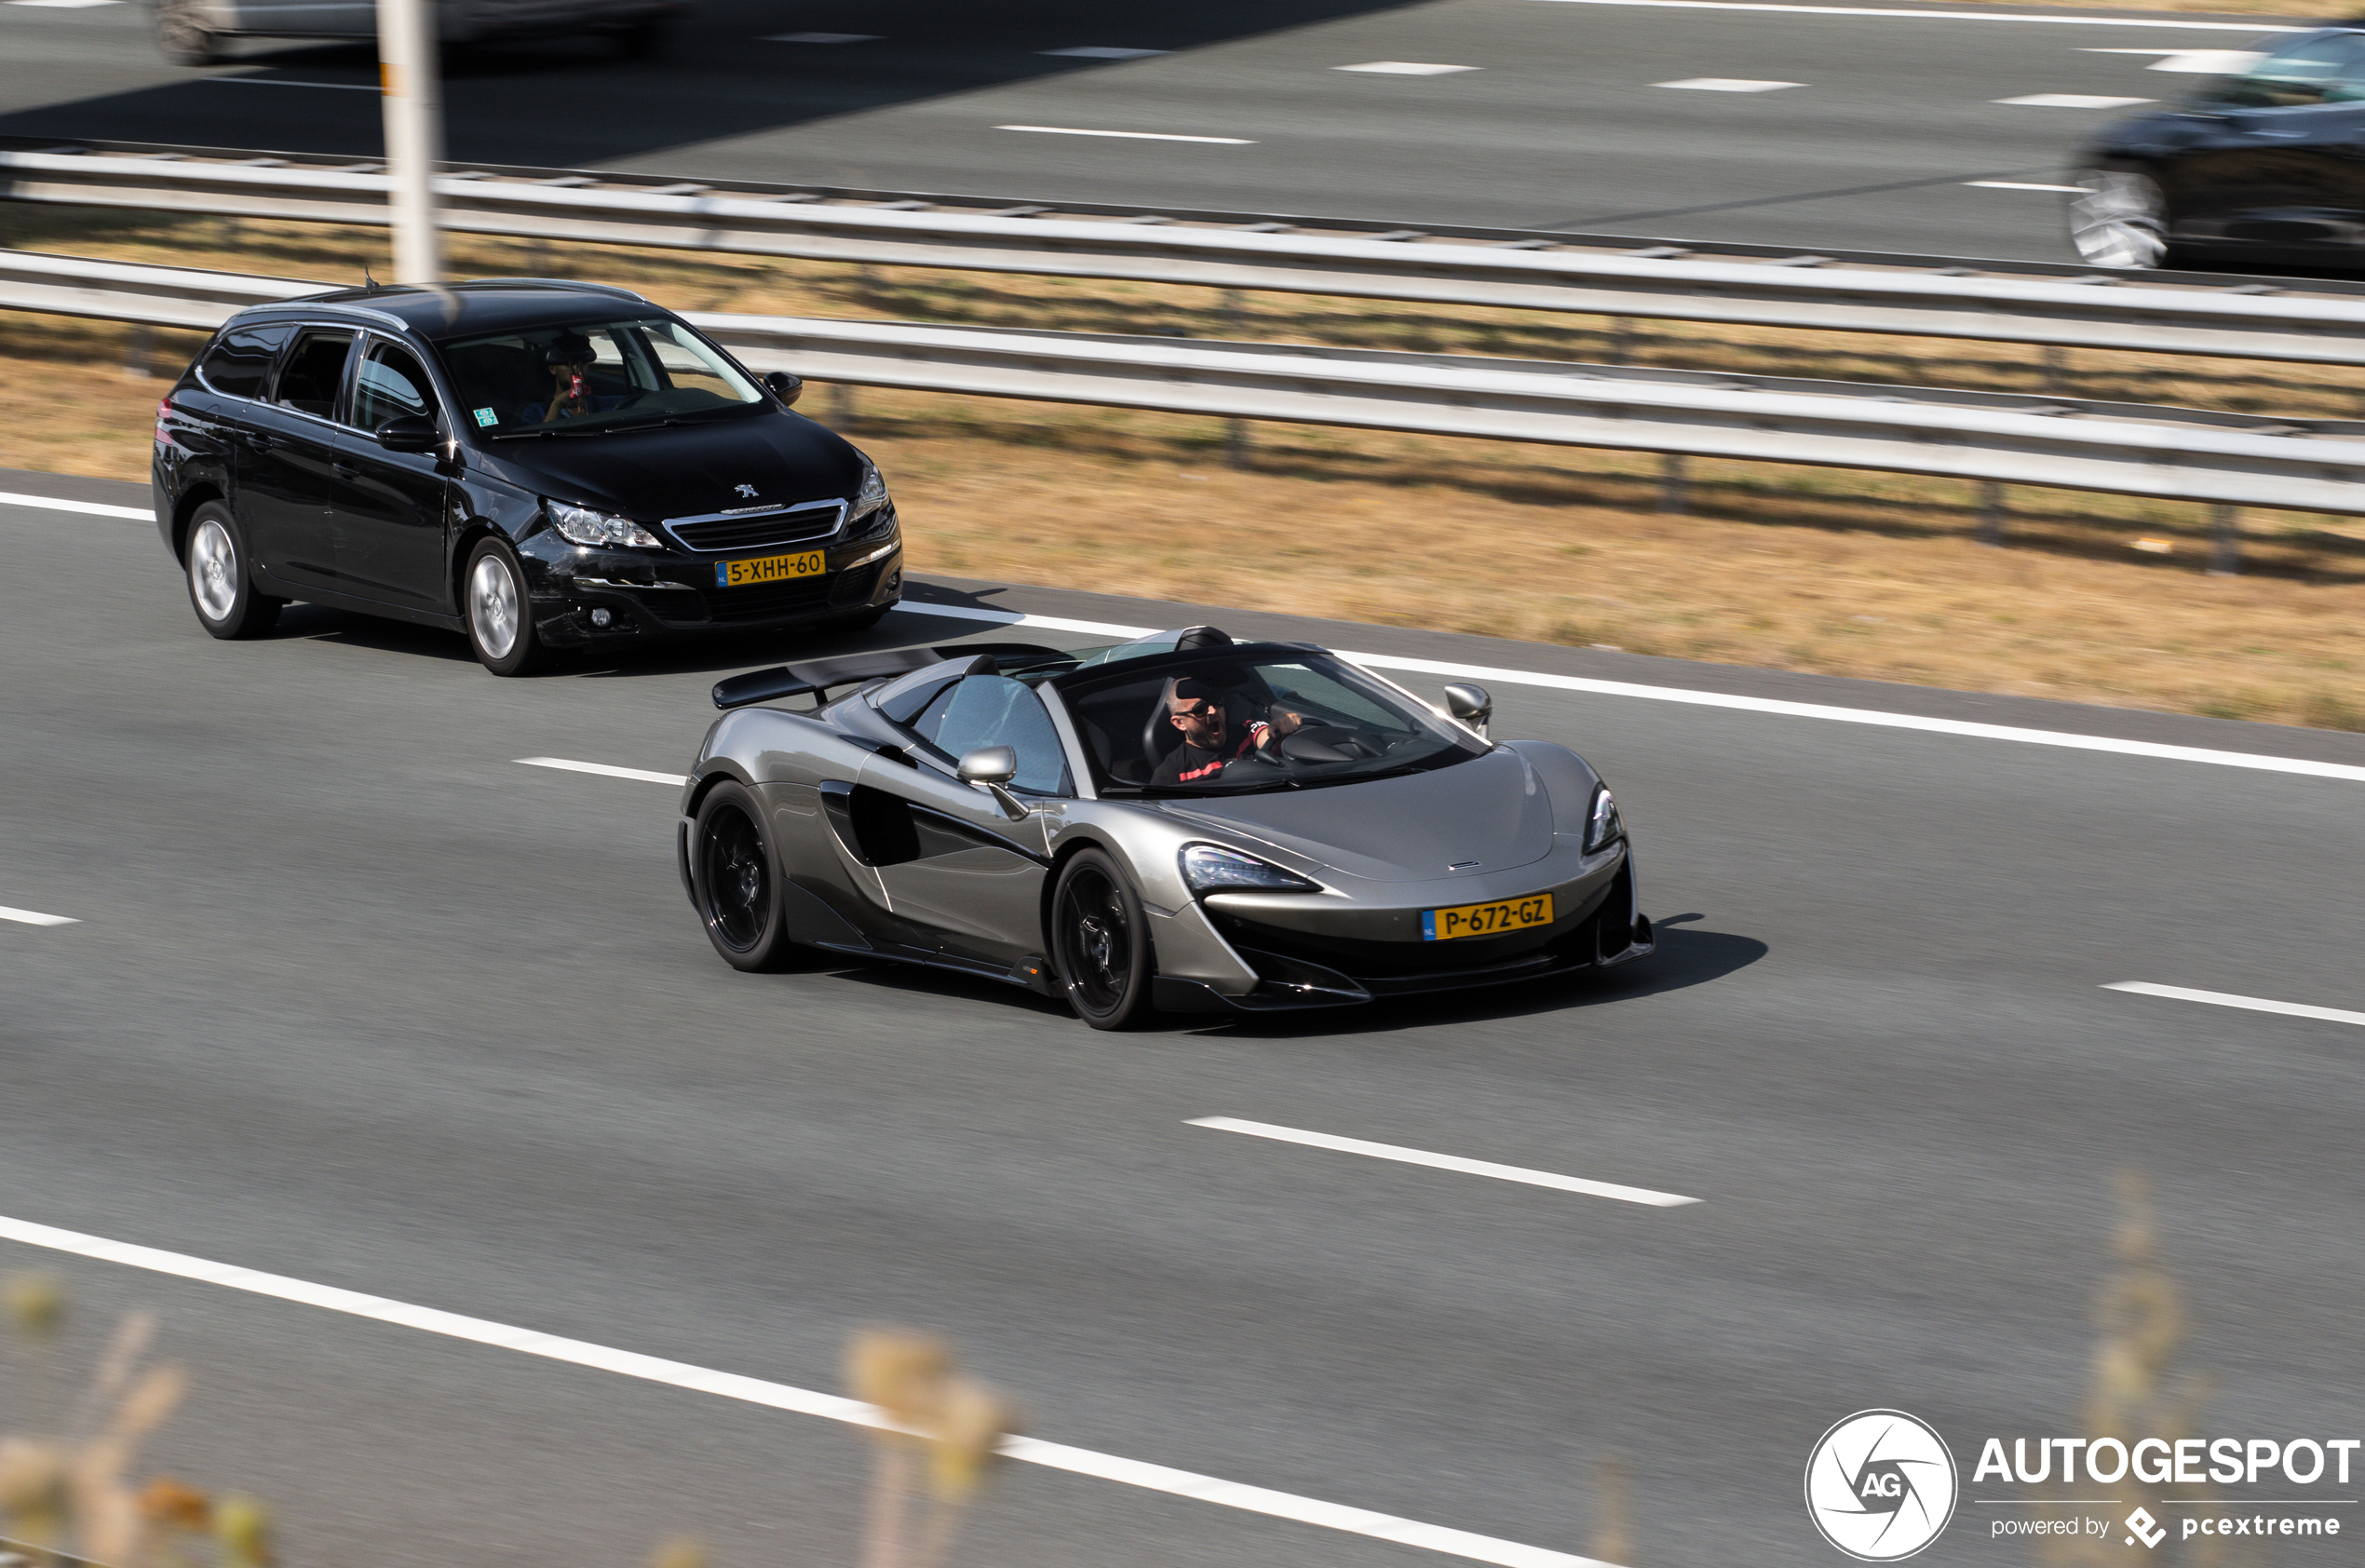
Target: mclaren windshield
1249	717
586	377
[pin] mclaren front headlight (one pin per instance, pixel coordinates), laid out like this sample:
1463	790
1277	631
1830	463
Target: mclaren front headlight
599	530
1210	868
1603	827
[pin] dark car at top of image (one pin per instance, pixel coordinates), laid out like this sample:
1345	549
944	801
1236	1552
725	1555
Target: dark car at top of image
1029	816
538	465
2264	165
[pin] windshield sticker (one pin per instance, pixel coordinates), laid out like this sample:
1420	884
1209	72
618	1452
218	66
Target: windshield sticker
486	416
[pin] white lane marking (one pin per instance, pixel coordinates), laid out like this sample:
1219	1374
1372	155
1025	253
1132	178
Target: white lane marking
607	770
1101	51
89	508
1726	84
2198	62
2069	100
2023	185
275	82
1404	68
2304	766
35	917
1128	135
63	5
1943	15
781	1396
1444	1162
2226	999
821	37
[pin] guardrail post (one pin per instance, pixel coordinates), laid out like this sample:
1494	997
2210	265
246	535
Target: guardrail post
2056	369
1991	513
413	102
2225	551
841	405
1236	431
1675	490
1621	338
139	358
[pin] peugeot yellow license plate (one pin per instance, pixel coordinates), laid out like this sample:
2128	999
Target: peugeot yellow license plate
767	569
1485	920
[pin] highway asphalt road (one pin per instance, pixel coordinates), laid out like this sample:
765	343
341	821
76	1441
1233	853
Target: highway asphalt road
355	997
1863	130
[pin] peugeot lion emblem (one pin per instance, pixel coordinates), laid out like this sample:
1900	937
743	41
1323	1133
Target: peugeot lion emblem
748	491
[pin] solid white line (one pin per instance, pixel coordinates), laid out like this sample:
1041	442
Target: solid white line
275	82
2226	999
608	770
1941	16
1404	68
780	1396
2069	100
2023	185
91	509
35	917
2305	768
1726	84
1128	135
1444	1162
1101	51
63	5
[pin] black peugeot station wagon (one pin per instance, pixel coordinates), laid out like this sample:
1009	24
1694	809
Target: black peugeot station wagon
538	464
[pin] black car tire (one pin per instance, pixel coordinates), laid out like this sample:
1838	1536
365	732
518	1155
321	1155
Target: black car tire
737	880
219	575
183	36
1100	942
499	615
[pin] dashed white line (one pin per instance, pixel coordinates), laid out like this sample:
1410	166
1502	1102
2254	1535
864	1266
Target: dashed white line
88	508
2248	1004
607	770
1725	84
2304	766
1102	51
1443	1162
821	37
1128	135
2070	100
1404	68
2023	185
2197	63
1943	15
35	917
781	1396
275	82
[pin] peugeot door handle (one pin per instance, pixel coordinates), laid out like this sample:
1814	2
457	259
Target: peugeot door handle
258	441
347	470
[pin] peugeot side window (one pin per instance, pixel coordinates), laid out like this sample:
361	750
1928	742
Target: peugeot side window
391	386
239	362
311	378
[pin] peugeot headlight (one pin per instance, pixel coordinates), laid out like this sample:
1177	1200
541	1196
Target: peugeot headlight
869	496
1603	828
583	525
1209	868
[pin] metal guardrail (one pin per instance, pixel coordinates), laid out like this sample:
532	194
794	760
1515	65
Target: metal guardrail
2197	314
2186	454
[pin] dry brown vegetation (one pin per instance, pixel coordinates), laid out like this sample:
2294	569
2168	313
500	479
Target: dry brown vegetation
1843	573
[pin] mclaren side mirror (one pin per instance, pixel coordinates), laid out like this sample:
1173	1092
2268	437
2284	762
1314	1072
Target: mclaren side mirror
784	385
991	769
411	432
1471	704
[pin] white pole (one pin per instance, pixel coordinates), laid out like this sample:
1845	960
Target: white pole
414	94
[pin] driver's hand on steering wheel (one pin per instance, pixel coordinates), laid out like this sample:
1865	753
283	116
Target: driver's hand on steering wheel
1281	722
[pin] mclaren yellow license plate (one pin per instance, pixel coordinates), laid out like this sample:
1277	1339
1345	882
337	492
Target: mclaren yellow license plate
767	569
1485	920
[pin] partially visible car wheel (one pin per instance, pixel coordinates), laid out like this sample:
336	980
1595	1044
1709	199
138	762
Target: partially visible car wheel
182	35
2120	220
1100	942
222	588
736	880
500	617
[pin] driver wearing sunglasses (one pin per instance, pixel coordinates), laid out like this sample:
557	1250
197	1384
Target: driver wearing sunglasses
1196	709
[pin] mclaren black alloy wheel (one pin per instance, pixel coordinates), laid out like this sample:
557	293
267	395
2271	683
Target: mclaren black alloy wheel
221	585
1100	943
736	880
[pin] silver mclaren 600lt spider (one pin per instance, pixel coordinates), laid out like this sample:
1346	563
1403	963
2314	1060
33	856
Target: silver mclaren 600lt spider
1184	823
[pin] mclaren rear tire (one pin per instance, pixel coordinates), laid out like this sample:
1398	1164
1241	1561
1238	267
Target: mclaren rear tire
736	880
1100	942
